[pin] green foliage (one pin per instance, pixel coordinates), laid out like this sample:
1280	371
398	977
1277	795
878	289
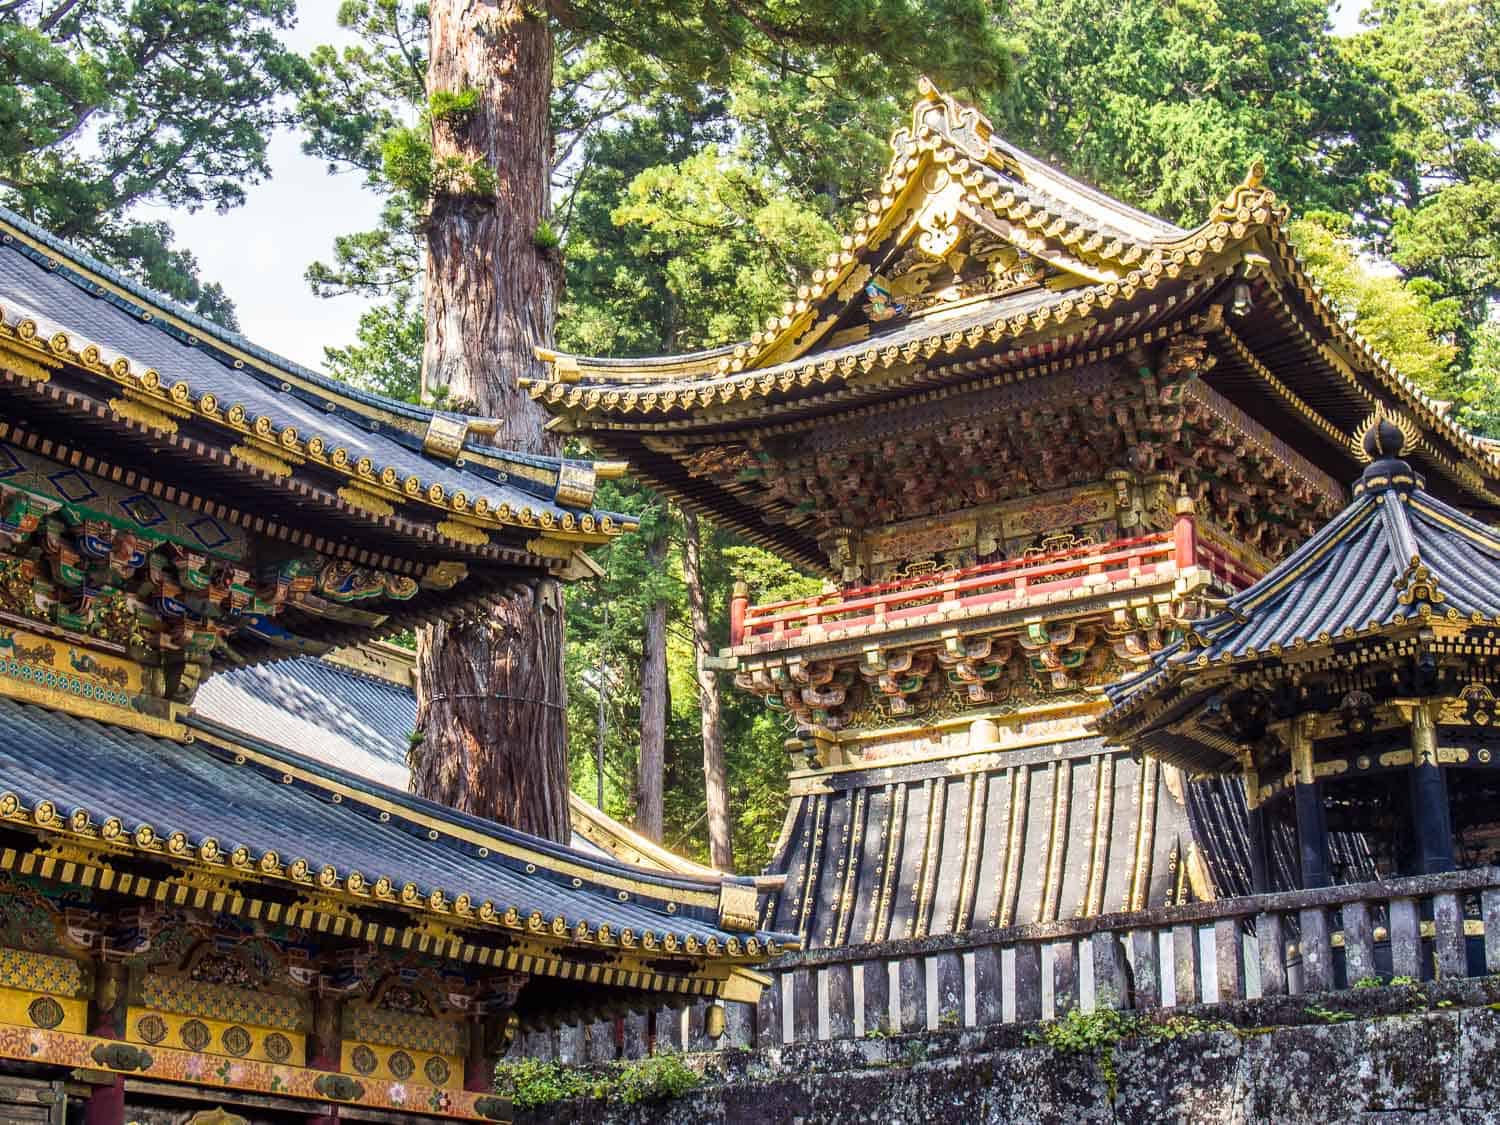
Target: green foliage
114	104
411	168
453	107
1166	105
734	240
1439	214
1077	1033
1323	1014
1383	143
656	1078
1478	384
1181	1027
546	237
1403	322
1095	1034
387	357
406	161
533	1083
1098	1033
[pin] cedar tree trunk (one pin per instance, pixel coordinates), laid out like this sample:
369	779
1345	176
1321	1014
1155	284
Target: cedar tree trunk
490	689
715	778
649	814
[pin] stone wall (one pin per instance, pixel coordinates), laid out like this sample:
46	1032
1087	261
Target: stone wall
1416	1054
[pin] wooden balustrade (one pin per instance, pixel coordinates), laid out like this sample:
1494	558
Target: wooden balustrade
1285	944
992	583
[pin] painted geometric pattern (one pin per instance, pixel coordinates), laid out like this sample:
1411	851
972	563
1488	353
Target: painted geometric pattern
412	1032
95	496
62	682
65	1049
21	968
219	1002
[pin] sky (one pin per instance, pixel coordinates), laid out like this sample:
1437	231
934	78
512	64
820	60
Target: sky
258	252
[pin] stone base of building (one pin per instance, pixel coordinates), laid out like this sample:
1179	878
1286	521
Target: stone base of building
1417	1055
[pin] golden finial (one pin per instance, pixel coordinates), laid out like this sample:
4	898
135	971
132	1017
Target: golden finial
1384	433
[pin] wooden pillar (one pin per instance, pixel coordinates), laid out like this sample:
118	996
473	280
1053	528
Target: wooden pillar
1312	825
739	603
1432	825
490	1034
1185	534
324	1049
106	1105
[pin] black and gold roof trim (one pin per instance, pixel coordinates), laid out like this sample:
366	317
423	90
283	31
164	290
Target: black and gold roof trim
161	366
1398	570
1110	261
223	806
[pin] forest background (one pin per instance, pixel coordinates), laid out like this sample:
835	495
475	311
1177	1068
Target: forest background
689	201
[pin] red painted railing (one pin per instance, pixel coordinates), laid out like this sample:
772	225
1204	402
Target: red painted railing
989	585
992	584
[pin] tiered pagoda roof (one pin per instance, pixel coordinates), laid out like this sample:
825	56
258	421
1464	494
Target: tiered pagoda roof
1397	576
240	808
171	407
980	274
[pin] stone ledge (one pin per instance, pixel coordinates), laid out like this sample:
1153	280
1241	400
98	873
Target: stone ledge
1418	1055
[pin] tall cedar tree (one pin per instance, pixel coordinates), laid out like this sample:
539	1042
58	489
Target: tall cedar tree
491	689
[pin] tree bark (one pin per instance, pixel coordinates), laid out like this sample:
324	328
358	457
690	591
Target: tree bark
715	776
649	773
490	689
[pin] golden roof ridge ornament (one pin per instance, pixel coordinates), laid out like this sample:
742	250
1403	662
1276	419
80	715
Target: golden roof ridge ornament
1366	439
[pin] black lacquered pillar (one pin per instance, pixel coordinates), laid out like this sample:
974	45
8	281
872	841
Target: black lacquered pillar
1260	866
1312	824
1432	824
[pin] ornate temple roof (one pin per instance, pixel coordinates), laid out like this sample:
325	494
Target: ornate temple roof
345	711
1397	560
903	318
302	842
335	714
399	467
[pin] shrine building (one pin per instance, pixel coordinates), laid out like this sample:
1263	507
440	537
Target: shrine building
1350	689
201	917
1030	436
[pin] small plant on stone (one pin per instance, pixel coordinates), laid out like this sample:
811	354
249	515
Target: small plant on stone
532	1083
655	1079
1180	1026
949	1018
1370	982
1327	1015
1096	1034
